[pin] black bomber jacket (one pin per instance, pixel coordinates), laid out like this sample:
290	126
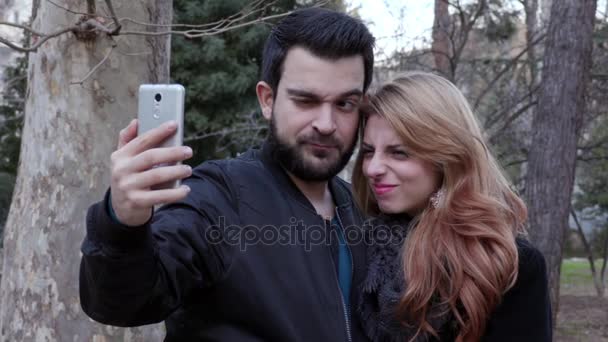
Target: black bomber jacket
238	260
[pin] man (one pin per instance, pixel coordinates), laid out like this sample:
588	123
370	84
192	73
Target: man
236	255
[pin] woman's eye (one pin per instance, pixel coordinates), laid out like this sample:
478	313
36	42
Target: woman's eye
401	154
367	153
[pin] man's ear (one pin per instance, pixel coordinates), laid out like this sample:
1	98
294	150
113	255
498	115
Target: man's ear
265	98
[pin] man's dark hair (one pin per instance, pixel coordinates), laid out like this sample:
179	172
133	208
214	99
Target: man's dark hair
326	33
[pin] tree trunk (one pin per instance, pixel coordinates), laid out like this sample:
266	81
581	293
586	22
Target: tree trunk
531	7
441	39
604	265
68	136
555	128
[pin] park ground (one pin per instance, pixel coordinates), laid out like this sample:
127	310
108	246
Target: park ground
583	316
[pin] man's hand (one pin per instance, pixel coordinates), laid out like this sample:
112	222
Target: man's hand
133	174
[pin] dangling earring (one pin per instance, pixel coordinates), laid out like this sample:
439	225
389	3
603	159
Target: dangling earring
437	198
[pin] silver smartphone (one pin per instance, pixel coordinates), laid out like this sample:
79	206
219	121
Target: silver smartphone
157	104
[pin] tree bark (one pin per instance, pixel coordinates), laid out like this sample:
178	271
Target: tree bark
68	136
531	8
555	129
441	40
604	262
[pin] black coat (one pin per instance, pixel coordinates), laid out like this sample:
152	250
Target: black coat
524	313
195	267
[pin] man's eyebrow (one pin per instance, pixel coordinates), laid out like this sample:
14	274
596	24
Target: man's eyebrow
305	93
354	92
366	145
301	93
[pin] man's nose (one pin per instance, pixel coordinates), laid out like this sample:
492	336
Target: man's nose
325	121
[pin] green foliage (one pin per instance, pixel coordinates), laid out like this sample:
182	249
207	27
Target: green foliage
12	107
501	25
500	20
7	183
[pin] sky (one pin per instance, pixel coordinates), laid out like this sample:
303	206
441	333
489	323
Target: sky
396	23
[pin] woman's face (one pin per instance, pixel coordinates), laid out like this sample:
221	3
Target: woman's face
400	182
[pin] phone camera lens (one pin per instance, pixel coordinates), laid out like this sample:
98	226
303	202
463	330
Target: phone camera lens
158	97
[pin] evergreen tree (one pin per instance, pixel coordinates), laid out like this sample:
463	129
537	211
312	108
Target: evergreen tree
11	114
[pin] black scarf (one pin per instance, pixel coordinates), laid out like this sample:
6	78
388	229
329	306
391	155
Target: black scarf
384	285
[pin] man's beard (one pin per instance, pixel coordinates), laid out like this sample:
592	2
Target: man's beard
292	157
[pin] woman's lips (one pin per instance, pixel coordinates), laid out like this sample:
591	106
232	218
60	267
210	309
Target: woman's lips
382	189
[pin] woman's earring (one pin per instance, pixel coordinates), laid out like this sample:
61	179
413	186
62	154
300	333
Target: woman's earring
437	198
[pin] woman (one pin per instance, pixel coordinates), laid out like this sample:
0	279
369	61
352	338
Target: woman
462	270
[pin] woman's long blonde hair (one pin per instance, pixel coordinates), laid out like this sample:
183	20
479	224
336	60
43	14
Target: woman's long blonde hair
460	254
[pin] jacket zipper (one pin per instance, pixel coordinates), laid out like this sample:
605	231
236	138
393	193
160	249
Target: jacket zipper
344	308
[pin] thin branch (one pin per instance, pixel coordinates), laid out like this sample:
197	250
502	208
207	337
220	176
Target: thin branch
18	117
118	25
588	159
94	69
605	262
246	131
14	101
584	240
13	80
594	145
131	54
510	119
218	27
589	251
204	33
455	47
23	27
504	71
92	25
238	17
234	17
93	91
600	76
39	42
72	11
221	133
493	118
